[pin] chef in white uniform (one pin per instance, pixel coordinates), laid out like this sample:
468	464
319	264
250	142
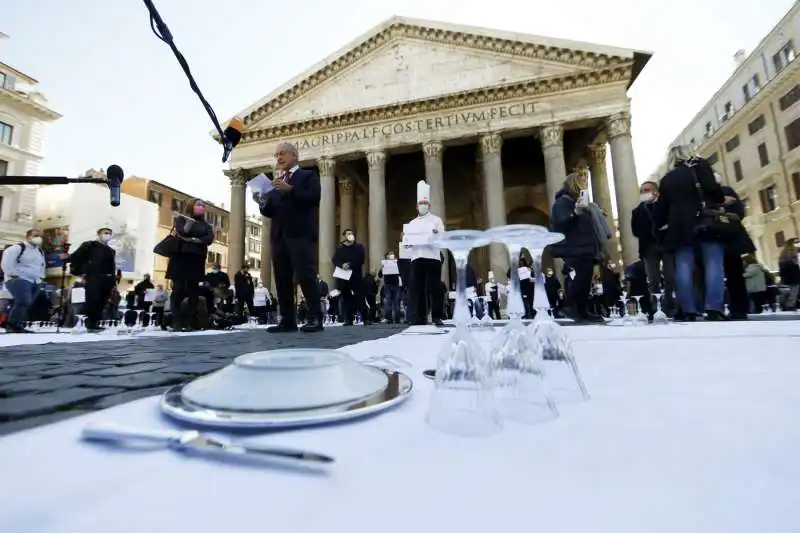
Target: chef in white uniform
426	263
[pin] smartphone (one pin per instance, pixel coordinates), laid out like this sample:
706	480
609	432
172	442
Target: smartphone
583	199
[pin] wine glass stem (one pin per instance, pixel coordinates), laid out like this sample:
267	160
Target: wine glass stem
515	306
461	312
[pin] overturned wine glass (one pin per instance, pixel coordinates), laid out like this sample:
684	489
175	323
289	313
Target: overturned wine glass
463	401
519	370
660	317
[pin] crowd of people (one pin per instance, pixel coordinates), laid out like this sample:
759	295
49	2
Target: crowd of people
696	259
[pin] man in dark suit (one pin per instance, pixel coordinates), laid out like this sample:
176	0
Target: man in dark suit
95	260
292	205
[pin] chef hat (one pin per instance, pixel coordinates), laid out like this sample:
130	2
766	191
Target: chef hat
423	192
491	275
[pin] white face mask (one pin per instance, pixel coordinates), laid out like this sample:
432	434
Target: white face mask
391	257
350	237
423	209
36	241
105	237
645	197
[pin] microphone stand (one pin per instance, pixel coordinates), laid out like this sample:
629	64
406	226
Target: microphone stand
48	180
62	319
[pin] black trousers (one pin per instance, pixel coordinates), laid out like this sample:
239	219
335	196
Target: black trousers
738	299
579	288
184	289
353	298
294	258
98	291
426	284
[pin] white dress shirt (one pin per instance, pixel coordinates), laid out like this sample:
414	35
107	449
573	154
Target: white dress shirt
425	222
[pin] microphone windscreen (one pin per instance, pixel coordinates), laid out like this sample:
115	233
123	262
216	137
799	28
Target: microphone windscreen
233	133
115	172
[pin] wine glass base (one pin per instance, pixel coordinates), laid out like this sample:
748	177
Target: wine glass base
453	411
524	411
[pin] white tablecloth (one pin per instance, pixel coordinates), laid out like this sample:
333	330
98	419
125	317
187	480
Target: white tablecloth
693	431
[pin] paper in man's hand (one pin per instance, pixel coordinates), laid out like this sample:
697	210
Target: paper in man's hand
261	184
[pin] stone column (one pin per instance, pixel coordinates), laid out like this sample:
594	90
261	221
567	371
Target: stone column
491	145
346	207
376	161
266	253
434	175
601	193
236	236
555	168
626	184
362	227
327	218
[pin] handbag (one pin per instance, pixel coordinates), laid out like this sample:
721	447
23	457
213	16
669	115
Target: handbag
169	246
712	220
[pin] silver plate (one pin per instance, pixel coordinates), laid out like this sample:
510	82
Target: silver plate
398	390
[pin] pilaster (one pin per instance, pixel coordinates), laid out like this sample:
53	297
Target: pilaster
434	175
555	168
491	150
626	184
327	218
376	161
236	239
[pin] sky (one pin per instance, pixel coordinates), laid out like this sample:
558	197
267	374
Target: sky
125	100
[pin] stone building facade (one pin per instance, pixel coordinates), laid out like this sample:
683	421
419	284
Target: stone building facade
492	120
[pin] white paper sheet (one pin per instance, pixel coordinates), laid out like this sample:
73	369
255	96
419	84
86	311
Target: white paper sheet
340	273
405	251
78	295
389	267
471	293
259	298
150	295
524	273
417	235
451	295
261	184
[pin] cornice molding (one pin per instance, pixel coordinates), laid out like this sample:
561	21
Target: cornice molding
36	109
488	95
464	40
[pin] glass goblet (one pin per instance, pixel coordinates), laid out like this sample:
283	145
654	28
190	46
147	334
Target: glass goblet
519	371
660	317
463	401
641	317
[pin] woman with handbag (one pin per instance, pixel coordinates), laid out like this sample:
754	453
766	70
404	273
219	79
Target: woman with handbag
689	202
191	236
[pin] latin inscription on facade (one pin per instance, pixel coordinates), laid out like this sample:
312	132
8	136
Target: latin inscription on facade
433	124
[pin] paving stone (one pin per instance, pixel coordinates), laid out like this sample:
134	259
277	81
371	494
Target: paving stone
140	381
9	378
74	368
36	404
126	369
45	384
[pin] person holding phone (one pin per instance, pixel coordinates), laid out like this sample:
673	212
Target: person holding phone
585	233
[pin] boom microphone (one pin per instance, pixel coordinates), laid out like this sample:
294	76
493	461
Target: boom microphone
231	137
115	177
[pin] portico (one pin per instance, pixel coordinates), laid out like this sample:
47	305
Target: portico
493	121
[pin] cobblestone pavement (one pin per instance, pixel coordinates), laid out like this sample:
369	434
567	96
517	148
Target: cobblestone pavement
40	384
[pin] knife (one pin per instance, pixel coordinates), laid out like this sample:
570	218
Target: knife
194	441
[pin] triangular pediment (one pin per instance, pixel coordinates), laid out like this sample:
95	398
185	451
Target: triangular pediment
407	60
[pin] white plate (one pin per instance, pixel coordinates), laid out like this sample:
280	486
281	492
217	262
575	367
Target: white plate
397	390
280	380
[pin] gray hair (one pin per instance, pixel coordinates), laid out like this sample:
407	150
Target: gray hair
678	154
290	147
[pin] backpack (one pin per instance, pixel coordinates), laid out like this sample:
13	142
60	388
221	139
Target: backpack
19	255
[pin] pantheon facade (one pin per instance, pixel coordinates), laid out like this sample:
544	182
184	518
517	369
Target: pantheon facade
492	120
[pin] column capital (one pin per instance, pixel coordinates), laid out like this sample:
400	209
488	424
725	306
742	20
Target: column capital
491	143
551	135
345	186
237	176
376	159
596	153
433	150
618	125
326	166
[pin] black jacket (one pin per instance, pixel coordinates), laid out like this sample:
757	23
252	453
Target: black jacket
243	283
93	258
218	279
739	243
644	228
294	212
579	234
200	233
354	255
679	202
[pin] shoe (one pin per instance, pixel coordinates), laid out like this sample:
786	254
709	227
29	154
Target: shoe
684	317
715	316
282	327
438	323
312	326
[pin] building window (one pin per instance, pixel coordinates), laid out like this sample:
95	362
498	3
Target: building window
255	231
784	56
768	199
6	133
737	170
178	205
728	111
792	132
751	88
1	207
3	168
763	154
790	98
214	258
7	81
796	184
709	130
154	197
756	125
780	239
713	158
732	144
693	142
